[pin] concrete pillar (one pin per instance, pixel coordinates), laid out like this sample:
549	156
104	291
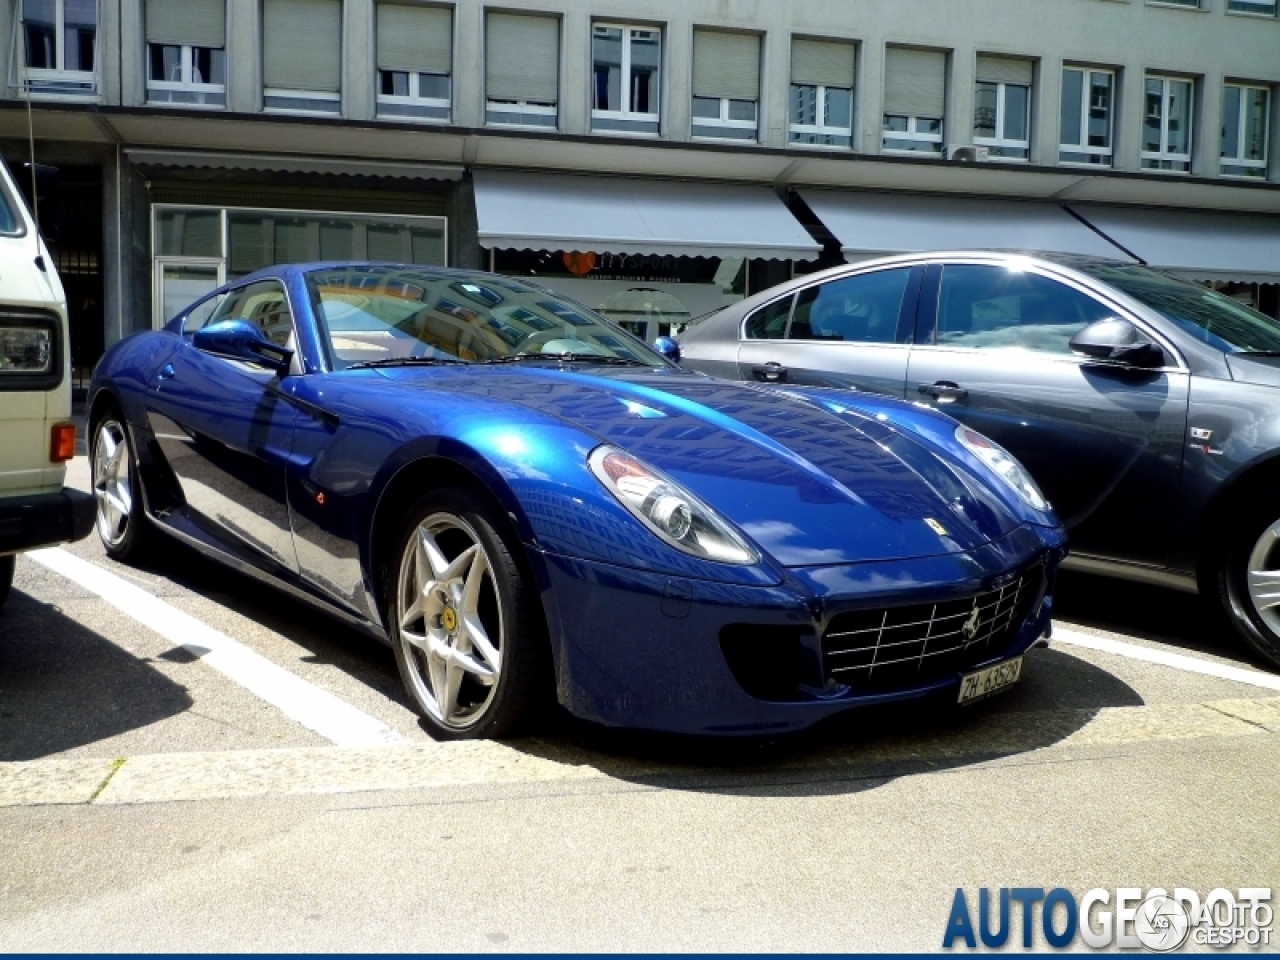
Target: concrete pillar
359	60
1046	110
133	54
575	74
775	85
244	56
109	66
868	98
677	73
1206	130
961	76
1130	100
468	65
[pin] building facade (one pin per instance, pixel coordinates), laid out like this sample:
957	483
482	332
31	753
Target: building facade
652	159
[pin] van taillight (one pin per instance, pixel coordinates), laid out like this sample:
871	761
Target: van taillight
62	442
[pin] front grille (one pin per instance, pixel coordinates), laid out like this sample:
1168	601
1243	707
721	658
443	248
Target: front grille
907	646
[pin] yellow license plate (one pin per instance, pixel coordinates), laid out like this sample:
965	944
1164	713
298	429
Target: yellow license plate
975	686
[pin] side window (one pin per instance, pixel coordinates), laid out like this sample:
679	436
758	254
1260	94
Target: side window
858	309
996	308
201	313
770	321
263	304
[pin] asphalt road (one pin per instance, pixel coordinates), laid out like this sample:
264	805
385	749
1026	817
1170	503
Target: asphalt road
156	799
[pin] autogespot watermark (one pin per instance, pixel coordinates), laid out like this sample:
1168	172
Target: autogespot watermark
1128	917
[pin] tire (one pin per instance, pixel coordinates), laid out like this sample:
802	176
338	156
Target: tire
468	631
6	577
121	522
1252	549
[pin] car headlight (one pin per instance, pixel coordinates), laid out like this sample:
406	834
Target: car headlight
1001	461
666	508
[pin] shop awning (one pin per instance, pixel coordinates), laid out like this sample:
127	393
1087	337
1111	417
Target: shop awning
1198	245
876	224
537	211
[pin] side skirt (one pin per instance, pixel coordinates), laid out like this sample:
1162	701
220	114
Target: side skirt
1137	572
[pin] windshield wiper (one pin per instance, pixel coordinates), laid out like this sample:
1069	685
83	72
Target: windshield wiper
571	358
404	362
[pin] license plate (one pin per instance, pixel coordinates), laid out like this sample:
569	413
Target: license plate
975	686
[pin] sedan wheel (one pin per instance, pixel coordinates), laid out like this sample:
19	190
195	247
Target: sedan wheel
466	635
1249	584
120	518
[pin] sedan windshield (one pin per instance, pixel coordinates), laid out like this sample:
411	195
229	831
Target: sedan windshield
381	315
1205	314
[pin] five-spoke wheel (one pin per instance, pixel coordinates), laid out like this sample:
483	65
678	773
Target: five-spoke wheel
466	633
119	519
1248	580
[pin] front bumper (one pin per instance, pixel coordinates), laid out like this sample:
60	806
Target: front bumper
646	651
45	519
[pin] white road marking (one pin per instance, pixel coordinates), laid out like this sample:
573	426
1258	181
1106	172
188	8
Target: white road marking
316	709
1165	658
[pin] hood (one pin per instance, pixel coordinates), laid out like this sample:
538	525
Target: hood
810	486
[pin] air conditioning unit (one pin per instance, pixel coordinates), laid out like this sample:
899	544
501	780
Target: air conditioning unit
967	153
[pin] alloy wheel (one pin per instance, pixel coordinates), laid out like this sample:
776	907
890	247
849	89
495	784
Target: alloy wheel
450	621
111	483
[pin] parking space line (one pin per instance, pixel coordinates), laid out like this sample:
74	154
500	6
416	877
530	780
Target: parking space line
1178	661
318	710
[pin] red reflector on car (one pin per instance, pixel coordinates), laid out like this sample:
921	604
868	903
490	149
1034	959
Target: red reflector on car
62	442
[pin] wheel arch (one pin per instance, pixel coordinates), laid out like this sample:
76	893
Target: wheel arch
1230	500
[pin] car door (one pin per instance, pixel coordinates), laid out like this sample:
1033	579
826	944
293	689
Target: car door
226	432
1103	440
847	332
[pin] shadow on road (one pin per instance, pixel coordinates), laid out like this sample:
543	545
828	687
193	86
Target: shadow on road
63	686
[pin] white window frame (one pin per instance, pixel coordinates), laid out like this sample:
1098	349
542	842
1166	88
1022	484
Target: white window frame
1252	13
415	99
821	128
1001	142
87	80
158	319
1238	160
1163	155
320	96
186	84
626	115
1109	151
724	121
911	133
522	106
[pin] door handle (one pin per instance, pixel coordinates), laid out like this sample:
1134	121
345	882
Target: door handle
944	391
771	372
166	372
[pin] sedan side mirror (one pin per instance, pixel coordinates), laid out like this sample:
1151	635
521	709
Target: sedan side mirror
1118	341
669	347
243	341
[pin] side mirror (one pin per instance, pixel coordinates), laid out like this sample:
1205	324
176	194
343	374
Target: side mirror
669	347
241	340
1117	341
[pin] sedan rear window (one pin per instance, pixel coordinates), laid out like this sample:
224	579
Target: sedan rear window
1205	314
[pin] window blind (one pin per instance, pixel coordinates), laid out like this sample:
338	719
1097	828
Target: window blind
826	63
915	82
415	38
726	65
1004	70
302	44
522	58
200	23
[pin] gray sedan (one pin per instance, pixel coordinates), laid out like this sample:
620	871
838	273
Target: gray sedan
1147	408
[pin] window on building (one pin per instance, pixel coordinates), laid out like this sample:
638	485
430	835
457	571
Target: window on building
1193	4
1002	107
915	83
1245	111
822	74
726	85
626	67
1266	8
522	69
186	52
1166	125
302	55
415	61
61	38
1088	98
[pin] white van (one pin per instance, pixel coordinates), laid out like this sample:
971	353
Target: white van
37	436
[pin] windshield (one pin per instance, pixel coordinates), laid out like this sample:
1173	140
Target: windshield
372	314
1205	314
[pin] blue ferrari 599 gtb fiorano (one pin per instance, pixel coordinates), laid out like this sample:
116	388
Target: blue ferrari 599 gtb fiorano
531	505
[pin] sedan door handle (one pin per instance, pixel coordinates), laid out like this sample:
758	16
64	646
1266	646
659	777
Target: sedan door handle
771	372
944	391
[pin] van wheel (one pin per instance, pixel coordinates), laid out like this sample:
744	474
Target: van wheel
6	576
121	523
1248	582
